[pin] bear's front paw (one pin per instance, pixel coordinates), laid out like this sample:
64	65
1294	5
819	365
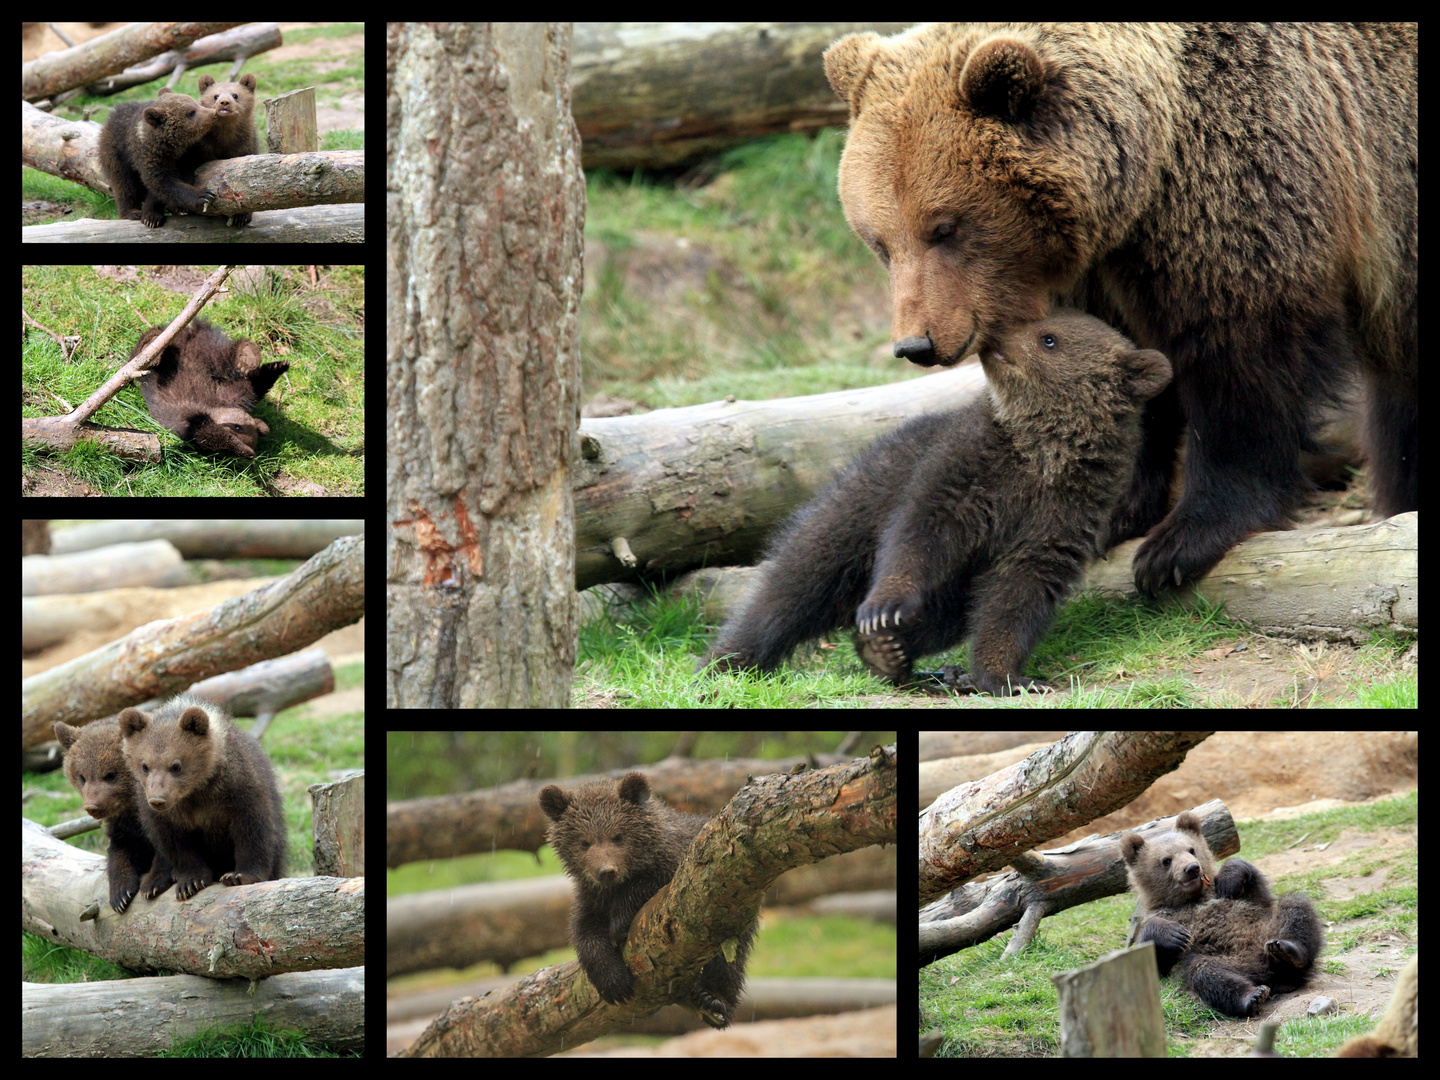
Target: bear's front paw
184	890
1171	936
712	1009
614	985
880	612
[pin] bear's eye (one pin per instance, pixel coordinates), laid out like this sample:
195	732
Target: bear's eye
1048	340
943	231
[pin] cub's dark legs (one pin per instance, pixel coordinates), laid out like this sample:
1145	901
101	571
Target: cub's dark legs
717	993
1222	987
1240	880
819	566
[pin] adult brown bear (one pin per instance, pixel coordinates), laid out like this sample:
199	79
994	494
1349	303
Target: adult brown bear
1240	198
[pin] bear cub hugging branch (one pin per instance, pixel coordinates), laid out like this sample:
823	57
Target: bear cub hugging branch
95	766
1235	943
620	845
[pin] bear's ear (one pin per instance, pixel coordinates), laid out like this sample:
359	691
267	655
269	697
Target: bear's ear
1130	845
1002	78
1187	822
1149	372
847	63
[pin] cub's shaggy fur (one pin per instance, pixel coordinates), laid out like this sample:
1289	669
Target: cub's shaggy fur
620	846
211	805
204	387
1235	943
95	766
969	523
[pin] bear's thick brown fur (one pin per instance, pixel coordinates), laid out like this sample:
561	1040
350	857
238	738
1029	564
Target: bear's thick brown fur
142	148
974	522
204	387
1241	198
95	766
233	133
207	796
620	845
1235	942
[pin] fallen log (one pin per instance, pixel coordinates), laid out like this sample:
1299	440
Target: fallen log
140	1018
251	931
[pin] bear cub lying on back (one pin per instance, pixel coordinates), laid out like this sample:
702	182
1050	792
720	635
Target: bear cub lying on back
619	845
1235	943
205	386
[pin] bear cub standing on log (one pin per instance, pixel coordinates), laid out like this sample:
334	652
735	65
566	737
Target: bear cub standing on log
974	522
141	147
620	846
1235	943
95	766
205	385
233	133
207	797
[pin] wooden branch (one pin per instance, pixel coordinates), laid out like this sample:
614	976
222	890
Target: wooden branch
987	824
307	224
283	181
167	656
140	1019
108	54
1326	583
297	924
773	824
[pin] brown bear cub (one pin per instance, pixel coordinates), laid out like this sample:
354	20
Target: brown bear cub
969	523
620	846
233	134
141	150
1235	943
205	386
95	766
210	802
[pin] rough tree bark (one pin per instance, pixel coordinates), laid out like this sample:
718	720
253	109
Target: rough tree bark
485	208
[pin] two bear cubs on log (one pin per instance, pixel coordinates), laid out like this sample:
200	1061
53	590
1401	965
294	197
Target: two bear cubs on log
149	150
187	799
1235	943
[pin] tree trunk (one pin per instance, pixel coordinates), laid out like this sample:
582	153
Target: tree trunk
485	211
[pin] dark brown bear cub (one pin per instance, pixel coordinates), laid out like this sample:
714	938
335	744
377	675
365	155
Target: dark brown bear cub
970	523
620	846
211	805
205	386
95	766
1235	943
141	147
